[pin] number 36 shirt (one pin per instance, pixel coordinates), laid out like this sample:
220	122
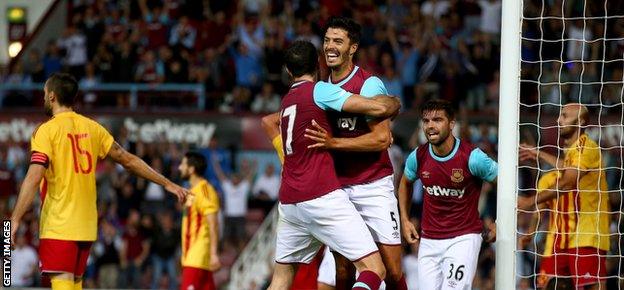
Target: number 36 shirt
69	146
307	173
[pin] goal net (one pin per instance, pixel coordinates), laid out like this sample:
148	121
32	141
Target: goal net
567	51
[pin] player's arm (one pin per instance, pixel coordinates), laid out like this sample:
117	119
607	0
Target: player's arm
378	139
328	96
406	186
27	193
530	153
380	106
270	124
567	182
213	228
138	167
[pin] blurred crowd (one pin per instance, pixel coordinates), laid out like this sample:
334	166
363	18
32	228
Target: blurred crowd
420	49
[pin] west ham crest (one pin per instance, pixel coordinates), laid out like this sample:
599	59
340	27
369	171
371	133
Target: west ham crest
457	175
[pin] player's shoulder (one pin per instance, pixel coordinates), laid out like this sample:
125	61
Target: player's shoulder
364	74
466	146
587	142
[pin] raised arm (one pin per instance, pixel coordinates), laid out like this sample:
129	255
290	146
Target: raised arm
138	167
29	189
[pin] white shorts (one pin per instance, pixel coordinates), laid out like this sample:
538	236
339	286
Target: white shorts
448	264
378	206
331	220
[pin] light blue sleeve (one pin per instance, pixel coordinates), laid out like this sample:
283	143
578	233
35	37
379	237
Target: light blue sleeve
373	86
411	166
482	166
329	96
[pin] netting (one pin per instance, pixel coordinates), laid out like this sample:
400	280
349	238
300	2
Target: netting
572	52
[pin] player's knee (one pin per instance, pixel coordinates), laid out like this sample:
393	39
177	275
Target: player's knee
394	274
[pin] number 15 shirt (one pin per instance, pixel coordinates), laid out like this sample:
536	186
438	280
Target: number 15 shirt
69	146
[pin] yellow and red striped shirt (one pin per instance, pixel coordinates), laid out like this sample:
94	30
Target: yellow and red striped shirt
195	232
581	216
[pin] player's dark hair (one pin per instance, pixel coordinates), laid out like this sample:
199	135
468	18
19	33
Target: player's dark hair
197	161
301	58
64	86
560	284
439	105
353	29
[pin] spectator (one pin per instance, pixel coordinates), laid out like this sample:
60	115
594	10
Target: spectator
136	250
104	61
183	34
107	250
490	16
156	28
24	264
33	66
248	68
267	101
87	82
266	189
52	60
164	245
74	43
123	64
235	192
150	69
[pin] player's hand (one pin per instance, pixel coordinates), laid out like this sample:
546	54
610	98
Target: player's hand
14	227
409	232
319	135
178	191
526	203
215	264
527	152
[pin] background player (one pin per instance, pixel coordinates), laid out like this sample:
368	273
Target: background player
581	244
65	151
313	208
360	152
452	172
200	227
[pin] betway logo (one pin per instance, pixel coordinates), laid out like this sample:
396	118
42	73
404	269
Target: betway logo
440	191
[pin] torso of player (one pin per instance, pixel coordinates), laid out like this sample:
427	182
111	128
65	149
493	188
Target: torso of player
356	167
73	144
450	191
195	229
307	173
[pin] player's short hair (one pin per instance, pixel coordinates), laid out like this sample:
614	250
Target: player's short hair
439	105
198	161
353	29
301	58
64	86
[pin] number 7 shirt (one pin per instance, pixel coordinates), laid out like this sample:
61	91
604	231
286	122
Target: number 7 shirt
307	173
69	145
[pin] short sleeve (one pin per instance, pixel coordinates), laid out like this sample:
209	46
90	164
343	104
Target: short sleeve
208	200
41	141
373	86
482	166
106	141
329	96
547	181
411	167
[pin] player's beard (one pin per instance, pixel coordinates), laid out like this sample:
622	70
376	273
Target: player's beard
184	176
566	132
342	56
443	135
47	109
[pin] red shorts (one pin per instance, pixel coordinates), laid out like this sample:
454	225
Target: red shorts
58	256
197	279
586	266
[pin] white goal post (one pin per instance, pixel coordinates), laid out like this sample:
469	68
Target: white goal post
508	133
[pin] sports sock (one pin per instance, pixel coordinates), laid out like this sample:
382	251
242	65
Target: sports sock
367	280
78	284
62	284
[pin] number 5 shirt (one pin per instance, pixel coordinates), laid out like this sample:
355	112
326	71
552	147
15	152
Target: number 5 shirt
69	146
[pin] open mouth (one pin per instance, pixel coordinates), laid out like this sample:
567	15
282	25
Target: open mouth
332	56
433	134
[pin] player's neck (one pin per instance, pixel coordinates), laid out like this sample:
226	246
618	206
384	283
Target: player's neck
60	109
342	71
445	148
304	78
194	180
573	137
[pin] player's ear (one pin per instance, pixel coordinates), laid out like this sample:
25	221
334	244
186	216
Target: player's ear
353	49
452	124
